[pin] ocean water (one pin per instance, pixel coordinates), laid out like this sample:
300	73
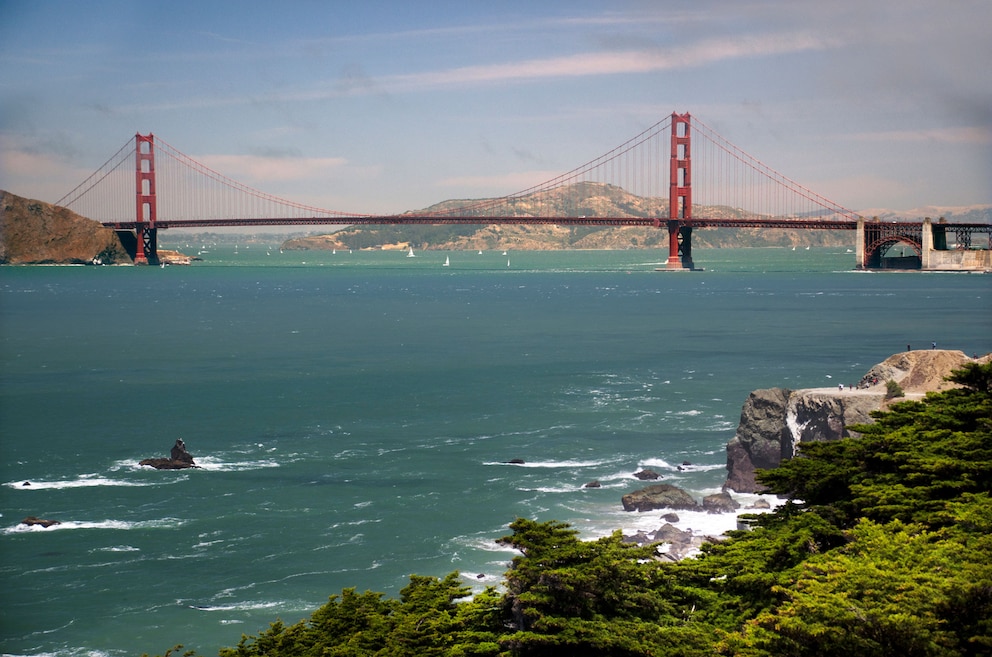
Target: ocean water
353	414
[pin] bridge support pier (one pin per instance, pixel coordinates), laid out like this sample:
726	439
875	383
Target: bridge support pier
679	247
926	246
859	245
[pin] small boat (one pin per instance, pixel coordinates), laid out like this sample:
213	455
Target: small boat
504	252
480	251
507	263
447	262
410	254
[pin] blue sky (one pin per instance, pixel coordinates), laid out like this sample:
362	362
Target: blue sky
372	106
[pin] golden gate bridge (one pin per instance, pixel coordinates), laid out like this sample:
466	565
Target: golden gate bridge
678	175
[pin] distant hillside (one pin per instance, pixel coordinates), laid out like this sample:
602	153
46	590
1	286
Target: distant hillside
590	199
977	214
34	232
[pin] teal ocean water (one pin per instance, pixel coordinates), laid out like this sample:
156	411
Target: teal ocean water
353	413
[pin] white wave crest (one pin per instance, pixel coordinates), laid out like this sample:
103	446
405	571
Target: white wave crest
215	464
248	605
165	523
550	464
83	481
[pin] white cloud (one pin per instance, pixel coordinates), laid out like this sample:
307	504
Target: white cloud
700	53
255	168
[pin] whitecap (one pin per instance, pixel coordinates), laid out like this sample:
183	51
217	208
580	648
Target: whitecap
214	464
83	481
249	605
550	489
119	548
550	464
165	523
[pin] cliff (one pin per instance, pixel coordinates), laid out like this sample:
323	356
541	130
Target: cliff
33	232
775	420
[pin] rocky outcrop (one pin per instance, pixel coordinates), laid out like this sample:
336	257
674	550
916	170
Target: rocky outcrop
680	543
33	232
658	496
31	521
179	459
774	421
720	503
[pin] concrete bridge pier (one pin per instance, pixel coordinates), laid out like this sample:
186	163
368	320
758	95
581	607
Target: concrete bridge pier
926	250
859	245
679	247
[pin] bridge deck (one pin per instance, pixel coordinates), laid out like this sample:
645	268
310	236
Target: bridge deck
413	220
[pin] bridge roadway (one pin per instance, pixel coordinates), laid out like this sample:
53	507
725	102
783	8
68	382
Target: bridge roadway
422	220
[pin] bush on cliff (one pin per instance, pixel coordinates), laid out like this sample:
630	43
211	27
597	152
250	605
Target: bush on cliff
882	550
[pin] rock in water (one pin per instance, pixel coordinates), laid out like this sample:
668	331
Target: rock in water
32	520
179	459
179	452
720	503
658	496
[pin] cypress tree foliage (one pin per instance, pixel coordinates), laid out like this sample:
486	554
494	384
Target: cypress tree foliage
882	550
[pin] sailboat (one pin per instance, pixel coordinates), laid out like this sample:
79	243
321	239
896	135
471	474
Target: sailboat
447	262
410	254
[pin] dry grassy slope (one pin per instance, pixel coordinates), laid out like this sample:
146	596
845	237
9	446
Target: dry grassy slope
34	232
922	371
589	199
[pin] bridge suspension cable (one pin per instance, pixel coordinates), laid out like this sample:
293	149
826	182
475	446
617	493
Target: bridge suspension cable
109	179
639	166
204	193
188	191
738	185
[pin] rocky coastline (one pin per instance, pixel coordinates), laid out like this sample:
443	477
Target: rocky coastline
775	421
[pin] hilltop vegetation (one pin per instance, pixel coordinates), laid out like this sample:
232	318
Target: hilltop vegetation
882	549
582	199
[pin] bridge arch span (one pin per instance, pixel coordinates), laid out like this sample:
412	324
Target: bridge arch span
875	253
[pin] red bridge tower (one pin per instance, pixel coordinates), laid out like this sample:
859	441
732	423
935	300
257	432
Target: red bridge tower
680	195
146	251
